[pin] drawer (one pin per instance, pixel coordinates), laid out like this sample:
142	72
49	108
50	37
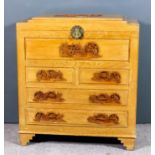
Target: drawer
103	76
97	49
77	96
56	75
76	117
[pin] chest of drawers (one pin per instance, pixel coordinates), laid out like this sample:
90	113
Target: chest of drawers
77	75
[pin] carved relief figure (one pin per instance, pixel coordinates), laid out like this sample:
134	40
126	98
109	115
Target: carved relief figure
90	50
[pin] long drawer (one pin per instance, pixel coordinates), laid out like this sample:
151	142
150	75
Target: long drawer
76	117
77	96
94	49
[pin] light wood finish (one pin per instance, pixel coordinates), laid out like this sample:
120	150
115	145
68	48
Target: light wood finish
49	48
79	63
128	143
75	118
86	75
67	73
78	89
78	96
25	138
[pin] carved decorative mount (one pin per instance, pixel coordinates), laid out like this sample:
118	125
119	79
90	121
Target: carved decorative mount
79	15
105	98
49	75
51	95
90	50
102	118
51	116
107	76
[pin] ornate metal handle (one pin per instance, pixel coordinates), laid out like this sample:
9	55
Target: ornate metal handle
107	76
102	118
77	32
49	74
90	50
51	95
105	98
51	116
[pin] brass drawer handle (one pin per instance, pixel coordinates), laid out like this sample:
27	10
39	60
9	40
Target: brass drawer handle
105	98
51	116
102	118
51	95
49	74
90	50
77	32
107	76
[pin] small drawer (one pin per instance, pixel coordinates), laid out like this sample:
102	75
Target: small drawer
103	76
76	117
77	96
56	75
84	49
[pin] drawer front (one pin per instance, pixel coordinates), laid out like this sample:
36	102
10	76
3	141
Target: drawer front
97	49
56	75
76	117
92	97
103	76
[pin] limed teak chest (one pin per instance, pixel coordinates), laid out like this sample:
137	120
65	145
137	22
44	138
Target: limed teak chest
77	75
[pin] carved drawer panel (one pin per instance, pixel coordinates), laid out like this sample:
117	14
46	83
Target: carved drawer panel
55	75
103	76
77	96
76	117
98	49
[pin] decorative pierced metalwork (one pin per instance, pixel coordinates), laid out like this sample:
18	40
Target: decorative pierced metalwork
77	32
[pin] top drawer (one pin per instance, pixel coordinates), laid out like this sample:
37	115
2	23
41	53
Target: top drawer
94	49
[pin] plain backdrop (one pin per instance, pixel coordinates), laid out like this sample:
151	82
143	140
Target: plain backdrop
17	10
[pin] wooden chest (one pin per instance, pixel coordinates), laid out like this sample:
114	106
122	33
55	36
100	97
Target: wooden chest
77	75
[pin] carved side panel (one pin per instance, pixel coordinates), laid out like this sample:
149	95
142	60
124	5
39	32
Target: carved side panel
51	95
105	98
103	118
107	76
90	50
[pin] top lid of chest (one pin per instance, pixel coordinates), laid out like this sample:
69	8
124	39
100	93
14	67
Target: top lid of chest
84	17
81	16
66	21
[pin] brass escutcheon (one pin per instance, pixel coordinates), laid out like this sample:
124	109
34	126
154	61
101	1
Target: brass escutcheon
77	32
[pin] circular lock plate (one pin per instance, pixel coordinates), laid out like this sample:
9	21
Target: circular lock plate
77	32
